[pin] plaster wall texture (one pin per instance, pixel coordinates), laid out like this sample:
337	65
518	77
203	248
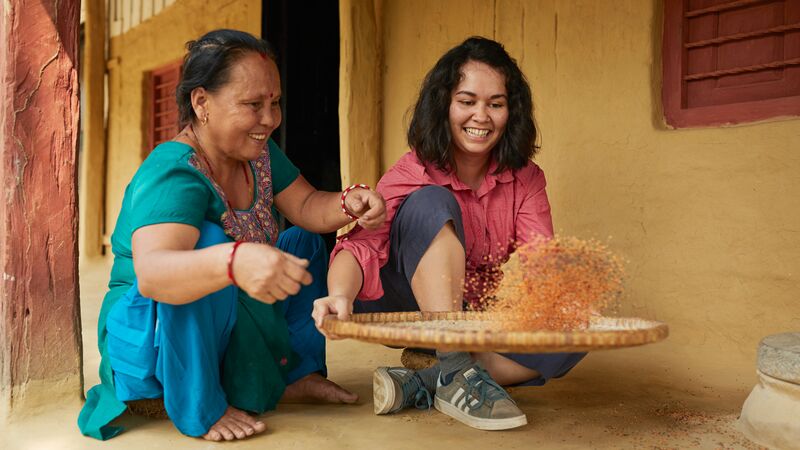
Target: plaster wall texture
40	351
708	218
155	42
360	90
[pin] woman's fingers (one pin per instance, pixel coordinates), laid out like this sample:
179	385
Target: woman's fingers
278	292
290	286
369	223
327	306
299	261
355	201
318	314
264	297
356	205
343	314
269	274
295	269
376	211
320	310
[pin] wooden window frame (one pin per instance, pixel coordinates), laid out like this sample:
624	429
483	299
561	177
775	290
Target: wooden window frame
150	102
673	89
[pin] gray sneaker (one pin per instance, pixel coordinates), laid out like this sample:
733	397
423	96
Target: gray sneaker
475	399
395	388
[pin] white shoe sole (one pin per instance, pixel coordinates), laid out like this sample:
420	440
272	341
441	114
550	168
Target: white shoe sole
477	422
383	391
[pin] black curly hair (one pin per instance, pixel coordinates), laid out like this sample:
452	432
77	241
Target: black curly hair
208	63
429	132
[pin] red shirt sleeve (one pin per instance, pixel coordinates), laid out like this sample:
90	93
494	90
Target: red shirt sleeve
371	248
533	216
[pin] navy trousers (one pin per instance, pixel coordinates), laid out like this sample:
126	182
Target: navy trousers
174	352
418	220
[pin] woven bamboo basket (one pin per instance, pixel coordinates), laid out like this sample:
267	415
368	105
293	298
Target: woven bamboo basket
482	331
151	407
415	359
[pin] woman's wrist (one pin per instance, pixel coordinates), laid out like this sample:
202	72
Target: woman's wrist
343	198
231	259
349	298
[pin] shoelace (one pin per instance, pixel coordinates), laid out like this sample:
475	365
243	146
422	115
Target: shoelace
414	389
486	387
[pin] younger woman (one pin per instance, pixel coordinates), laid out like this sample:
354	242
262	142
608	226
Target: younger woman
457	204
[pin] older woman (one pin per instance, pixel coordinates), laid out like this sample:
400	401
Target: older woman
192	314
457	204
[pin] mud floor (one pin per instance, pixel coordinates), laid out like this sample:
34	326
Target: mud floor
613	399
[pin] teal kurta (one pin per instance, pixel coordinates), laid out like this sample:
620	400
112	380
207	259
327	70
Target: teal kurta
170	187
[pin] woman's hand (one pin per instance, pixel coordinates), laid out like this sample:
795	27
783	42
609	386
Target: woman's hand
268	274
339	305
368	206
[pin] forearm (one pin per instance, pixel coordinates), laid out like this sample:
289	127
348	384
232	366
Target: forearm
345	276
182	276
322	212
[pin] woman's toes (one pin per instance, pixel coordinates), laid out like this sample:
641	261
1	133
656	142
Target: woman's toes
259	426
226	432
234	424
237	430
346	396
336	393
246	428
212	435
248	423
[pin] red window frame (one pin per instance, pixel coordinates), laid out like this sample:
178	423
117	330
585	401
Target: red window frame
162	108
678	111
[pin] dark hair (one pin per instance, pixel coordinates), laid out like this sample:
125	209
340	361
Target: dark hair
429	132
208	64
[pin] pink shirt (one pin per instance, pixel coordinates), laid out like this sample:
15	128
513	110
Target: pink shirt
508	207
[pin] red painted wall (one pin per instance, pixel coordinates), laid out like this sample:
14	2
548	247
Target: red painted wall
39	308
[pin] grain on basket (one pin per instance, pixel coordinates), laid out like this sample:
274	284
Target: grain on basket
557	284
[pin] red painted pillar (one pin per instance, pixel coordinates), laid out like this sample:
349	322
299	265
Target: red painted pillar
40	344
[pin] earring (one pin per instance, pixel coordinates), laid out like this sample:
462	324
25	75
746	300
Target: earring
204	120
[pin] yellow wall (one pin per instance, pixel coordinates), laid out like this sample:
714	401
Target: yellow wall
360	91
153	43
709	218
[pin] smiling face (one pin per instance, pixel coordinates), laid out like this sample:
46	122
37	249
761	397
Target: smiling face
245	111
478	110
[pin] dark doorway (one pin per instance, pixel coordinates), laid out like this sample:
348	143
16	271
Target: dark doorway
306	35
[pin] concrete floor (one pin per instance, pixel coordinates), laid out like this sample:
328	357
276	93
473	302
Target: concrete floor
611	400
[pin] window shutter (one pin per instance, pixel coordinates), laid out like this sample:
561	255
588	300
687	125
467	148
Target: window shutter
163	109
730	61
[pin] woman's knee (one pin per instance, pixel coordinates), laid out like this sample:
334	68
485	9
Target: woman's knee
428	199
302	243
424	212
211	234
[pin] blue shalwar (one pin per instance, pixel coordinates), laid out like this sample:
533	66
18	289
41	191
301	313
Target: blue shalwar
222	349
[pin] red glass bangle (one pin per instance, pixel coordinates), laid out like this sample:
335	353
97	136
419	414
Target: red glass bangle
344	196
230	262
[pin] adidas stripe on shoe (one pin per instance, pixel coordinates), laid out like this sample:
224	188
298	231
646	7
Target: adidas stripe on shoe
475	399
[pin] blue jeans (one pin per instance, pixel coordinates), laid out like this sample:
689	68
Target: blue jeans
418	220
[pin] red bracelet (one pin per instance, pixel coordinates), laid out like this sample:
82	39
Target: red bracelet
230	262
344	196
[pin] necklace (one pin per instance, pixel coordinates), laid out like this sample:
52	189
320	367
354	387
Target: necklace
228	206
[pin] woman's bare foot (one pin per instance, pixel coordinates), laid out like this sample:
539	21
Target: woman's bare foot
234	424
314	388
